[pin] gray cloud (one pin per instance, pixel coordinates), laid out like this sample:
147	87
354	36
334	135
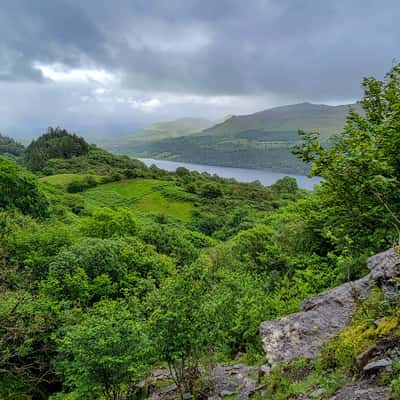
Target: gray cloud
263	50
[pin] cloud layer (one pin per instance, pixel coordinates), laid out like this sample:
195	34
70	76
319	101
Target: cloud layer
105	67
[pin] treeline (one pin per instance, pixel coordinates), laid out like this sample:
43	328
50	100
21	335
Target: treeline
10	147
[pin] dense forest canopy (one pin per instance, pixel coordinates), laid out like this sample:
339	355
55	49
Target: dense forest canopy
56	143
111	269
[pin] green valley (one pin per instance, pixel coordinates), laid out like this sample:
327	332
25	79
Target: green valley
262	140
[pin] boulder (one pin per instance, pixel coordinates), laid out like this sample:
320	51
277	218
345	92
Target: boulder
304	333
364	390
389	347
264	370
233	380
323	316
384	268
378	365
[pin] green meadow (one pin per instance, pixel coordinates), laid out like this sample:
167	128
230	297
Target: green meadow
143	195
61	181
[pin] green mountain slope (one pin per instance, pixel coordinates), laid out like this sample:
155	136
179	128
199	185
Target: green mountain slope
261	140
328	120
164	130
179	127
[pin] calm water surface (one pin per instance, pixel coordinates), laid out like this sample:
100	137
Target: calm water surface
240	174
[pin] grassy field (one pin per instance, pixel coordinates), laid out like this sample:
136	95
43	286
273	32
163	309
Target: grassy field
143	195
63	180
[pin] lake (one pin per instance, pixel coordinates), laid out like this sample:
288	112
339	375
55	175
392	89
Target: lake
266	177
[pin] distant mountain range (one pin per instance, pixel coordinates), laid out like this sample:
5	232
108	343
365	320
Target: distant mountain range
262	140
172	129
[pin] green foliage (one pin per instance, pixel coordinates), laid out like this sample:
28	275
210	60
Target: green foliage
34	245
8	146
19	190
183	330
237	302
96	162
107	353
142	195
211	191
81	185
55	143
395	382
286	185
94	268
361	169
342	351
301	378
106	223
26	346
77	182
171	241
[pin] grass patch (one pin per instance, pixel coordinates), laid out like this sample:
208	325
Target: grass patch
143	195
61	181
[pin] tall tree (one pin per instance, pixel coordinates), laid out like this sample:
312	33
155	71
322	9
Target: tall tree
361	169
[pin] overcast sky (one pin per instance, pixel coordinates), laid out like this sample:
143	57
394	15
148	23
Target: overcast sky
107	67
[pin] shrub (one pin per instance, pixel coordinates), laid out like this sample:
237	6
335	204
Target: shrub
19	190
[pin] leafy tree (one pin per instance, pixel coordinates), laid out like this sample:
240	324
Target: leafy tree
182	172
361	170
258	251
93	268
171	241
19	190
26	347
34	245
107	353
211	191
106	223
182	328
80	185
287	185
237	305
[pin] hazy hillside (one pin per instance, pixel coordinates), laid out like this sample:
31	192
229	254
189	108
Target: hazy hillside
168	129
289	119
261	140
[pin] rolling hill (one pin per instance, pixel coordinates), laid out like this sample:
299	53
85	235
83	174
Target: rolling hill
280	121
165	130
261	140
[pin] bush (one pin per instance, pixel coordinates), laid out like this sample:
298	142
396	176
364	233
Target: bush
107	353
80	185
106	223
19	190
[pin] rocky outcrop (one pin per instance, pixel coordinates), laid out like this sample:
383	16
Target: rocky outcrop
323	316
238	380
364	390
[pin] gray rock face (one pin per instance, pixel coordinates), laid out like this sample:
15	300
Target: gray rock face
303	334
361	391
323	316
233	380
384	267
377	365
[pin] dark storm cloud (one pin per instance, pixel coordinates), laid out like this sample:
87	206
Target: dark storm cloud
310	48
102	66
